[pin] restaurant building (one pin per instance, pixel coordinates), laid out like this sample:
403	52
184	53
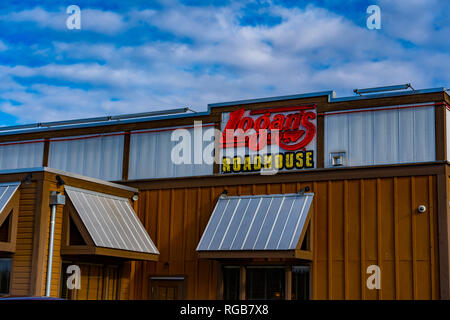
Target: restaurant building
310	196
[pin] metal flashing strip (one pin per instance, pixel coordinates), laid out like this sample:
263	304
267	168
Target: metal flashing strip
262	222
270	99
111	221
98	120
117	119
331	97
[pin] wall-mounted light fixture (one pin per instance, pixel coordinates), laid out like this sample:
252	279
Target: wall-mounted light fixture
60	181
135	197
28	178
305	189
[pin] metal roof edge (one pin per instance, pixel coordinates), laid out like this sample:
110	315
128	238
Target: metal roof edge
21	170
12	183
269	99
306	194
387	94
331	98
101	124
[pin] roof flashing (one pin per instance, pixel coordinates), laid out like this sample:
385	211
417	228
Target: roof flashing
172	114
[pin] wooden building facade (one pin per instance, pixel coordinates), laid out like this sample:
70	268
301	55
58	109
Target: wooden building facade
374	166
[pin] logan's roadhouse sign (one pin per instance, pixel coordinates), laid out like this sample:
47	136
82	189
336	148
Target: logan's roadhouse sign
282	138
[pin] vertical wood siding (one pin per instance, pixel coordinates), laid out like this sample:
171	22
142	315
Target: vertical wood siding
356	223
22	259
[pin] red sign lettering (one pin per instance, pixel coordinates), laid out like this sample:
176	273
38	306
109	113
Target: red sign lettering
291	127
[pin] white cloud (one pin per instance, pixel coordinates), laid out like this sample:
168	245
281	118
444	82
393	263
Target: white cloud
3	46
54	20
310	50
104	22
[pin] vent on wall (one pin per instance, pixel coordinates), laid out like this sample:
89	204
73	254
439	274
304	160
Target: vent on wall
337	159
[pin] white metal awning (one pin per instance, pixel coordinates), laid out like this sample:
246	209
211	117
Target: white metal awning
111	221
263	223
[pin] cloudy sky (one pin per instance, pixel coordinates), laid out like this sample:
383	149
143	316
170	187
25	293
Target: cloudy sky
135	55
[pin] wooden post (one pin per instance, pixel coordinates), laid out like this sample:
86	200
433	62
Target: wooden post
440	123
288	283
46	153
126	156
242	283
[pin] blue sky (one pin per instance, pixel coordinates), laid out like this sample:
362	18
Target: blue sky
135	56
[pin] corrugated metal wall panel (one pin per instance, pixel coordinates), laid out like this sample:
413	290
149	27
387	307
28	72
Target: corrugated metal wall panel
381	137
17	156
100	157
150	157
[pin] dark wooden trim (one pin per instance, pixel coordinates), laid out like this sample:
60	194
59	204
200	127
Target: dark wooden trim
11	210
46	154
320	143
251	254
126	155
41	219
89	185
325	174
65	230
217	149
9	207
7	247
72	213
14	219
304	233
447	97
108	252
440	125
443	234
77	250
8	177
